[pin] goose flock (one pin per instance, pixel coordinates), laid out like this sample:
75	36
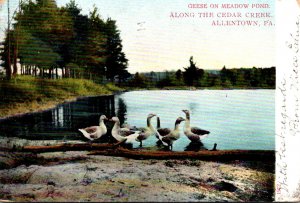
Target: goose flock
131	134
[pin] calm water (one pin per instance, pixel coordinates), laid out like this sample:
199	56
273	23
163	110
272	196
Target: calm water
237	119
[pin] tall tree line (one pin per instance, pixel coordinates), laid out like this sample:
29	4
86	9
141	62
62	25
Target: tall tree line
46	39
197	77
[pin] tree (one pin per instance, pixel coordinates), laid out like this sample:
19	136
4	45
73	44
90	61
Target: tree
6	57
240	81
192	73
178	74
204	81
116	62
179	77
223	74
138	80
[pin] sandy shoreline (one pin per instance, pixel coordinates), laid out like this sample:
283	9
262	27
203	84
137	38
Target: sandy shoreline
76	176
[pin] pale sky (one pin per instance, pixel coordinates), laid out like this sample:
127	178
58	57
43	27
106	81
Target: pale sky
162	43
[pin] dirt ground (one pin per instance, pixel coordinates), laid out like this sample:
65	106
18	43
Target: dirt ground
77	176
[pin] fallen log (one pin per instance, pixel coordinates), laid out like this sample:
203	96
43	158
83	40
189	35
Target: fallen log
70	147
219	155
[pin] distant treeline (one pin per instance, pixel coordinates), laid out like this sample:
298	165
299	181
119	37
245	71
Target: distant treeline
194	76
51	42
48	41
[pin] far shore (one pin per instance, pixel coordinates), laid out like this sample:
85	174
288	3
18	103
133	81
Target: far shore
20	109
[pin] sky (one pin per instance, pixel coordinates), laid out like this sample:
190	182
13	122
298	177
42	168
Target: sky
153	41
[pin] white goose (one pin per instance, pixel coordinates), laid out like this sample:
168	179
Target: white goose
193	133
121	135
172	136
95	132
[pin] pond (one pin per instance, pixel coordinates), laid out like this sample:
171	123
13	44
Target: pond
236	119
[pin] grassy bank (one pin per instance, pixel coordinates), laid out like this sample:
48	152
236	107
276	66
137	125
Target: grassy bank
26	94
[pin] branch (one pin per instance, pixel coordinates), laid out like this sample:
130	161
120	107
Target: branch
220	155
70	147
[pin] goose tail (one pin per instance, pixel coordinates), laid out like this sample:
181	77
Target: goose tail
85	134
132	138
160	138
203	136
157	122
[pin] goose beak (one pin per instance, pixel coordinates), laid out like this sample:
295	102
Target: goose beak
151	115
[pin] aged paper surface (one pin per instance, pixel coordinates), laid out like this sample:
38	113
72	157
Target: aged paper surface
218	33
287	101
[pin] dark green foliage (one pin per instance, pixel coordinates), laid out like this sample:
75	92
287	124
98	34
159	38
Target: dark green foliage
192	74
116	62
138	80
46	38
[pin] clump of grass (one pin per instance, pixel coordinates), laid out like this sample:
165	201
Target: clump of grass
21	92
113	87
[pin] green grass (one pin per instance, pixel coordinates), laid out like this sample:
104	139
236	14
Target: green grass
25	93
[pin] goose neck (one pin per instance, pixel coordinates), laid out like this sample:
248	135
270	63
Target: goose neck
116	125
176	126
101	122
149	125
187	123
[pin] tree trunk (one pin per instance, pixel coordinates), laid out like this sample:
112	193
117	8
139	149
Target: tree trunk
15	60
8	66
50	73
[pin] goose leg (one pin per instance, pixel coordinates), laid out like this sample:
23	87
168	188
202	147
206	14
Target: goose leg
141	143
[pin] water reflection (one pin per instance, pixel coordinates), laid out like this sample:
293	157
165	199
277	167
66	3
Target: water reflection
61	122
122	110
233	123
195	146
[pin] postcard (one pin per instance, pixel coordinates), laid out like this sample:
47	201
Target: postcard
135	100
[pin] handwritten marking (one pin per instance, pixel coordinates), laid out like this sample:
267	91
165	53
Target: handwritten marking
294	121
281	165
289	111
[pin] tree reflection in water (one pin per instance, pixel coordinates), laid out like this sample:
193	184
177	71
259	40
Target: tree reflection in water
121	111
61	122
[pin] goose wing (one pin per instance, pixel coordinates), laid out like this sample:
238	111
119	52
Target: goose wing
193	137
132	137
91	129
142	129
141	136
126	133
164	131
199	131
168	139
